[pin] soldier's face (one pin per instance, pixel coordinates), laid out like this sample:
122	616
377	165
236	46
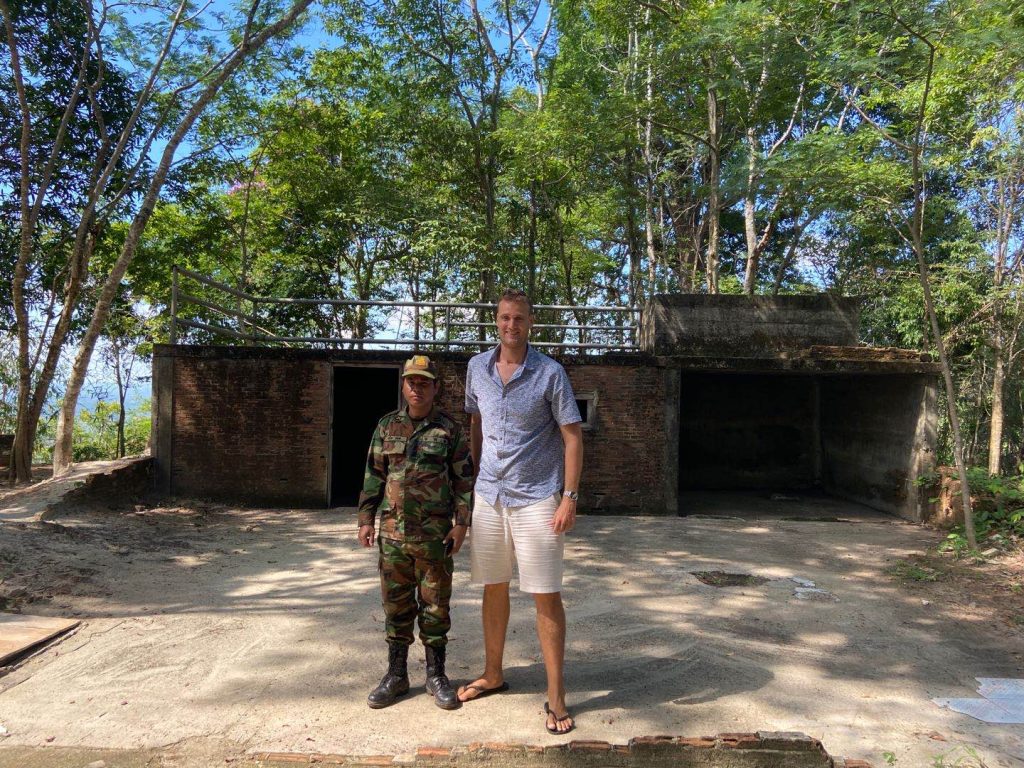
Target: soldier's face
419	392
514	323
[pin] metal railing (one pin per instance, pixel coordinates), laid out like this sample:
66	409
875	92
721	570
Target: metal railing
354	323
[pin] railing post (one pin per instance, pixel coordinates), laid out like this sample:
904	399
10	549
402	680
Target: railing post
174	305
448	322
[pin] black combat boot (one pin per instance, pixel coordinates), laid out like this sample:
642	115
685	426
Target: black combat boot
396	682
437	681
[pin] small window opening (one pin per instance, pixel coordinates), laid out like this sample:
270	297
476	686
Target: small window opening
587	403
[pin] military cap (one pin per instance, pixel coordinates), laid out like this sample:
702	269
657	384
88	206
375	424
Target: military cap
420	365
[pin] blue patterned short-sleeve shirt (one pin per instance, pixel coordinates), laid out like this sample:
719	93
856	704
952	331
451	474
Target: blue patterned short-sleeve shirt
522	459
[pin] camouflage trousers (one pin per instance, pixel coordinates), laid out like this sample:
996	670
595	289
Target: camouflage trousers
416	580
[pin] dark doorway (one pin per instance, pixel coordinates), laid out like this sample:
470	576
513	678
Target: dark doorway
361	396
748	431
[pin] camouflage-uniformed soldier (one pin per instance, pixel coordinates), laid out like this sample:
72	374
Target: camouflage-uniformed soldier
419	476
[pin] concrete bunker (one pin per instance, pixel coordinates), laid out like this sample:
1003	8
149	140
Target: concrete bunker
728	393
775	394
860	436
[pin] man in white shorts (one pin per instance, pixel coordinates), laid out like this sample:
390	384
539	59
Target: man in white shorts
526	440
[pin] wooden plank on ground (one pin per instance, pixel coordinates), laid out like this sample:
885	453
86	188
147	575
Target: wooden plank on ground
19	633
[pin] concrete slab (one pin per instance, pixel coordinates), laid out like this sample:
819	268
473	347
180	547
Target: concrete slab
19	633
261	631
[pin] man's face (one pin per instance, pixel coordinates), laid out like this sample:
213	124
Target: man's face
419	392
514	323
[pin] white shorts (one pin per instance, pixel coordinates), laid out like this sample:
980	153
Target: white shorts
501	536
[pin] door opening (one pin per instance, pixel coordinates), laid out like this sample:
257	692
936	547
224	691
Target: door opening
748	431
362	394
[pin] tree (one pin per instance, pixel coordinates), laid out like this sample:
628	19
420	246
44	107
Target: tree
127	342
63	146
999	178
905	82
176	75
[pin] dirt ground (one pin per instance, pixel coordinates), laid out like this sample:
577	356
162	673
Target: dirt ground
210	632
988	591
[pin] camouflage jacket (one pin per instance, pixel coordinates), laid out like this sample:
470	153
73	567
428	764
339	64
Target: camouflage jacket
417	476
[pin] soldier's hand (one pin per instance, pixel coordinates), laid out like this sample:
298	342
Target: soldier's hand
366	535
456	535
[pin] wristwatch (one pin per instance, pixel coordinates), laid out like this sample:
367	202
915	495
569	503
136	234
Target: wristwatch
571	495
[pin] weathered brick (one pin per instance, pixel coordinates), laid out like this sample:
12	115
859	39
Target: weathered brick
433	753
254	425
787	740
369	760
705	742
652	744
739	740
591	747
504	748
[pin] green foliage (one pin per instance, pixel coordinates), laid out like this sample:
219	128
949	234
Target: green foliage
8	386
416	154
998	513
95	435
960	756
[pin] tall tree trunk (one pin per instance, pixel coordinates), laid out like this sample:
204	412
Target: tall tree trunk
121	379
995	435
531	252
954	418
790	255
101	310
650	172
714	193
636	277
749	218
24	432
1009	194
917	240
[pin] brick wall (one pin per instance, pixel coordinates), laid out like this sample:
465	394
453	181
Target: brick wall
626	450
625	467
250	429
253	425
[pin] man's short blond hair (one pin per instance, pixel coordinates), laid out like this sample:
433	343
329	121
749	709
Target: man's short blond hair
513	294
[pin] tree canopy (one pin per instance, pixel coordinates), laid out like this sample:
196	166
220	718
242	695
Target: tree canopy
591	152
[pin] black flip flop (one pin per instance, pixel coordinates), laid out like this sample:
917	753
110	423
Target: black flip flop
562	719
483	692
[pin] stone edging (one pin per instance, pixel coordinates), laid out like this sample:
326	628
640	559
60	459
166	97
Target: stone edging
764	749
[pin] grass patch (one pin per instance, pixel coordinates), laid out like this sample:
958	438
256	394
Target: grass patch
907	571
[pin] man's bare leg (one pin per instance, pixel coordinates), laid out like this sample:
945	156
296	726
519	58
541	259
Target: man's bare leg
495	619
551	633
